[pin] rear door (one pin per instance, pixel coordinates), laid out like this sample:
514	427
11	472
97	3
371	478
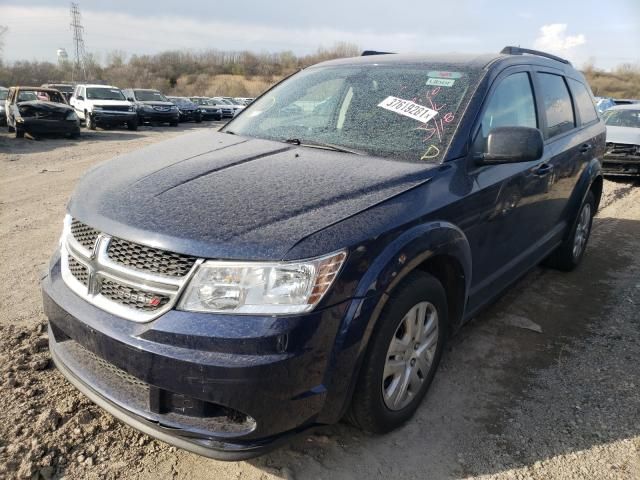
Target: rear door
566	144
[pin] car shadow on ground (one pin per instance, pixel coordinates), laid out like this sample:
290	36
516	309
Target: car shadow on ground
508	396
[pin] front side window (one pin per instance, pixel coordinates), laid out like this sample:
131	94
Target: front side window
402	112
511	105
557	104
3	94
102	93
584	102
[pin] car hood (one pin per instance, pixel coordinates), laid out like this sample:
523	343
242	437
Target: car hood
45	106
156	103
225	196
628	135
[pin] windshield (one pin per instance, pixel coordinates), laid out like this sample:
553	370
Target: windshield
63	88
3	94
199	101
397	111
100	93
26	96
183	102
149	96
622	118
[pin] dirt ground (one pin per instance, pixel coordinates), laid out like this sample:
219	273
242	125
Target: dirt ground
544	384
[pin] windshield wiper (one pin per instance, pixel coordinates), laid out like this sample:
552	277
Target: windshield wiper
326	146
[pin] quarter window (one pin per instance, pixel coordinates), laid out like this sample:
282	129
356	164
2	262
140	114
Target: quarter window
557	104
511	105
584	102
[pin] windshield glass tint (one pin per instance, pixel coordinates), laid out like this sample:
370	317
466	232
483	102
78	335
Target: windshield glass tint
622	118
98	93
149	96
3	94
402	112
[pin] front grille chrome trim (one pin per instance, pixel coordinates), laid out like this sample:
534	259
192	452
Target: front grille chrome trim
100	266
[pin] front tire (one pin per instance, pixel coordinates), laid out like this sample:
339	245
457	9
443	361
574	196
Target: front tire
91	123
570	252
403	354
132	125
19	132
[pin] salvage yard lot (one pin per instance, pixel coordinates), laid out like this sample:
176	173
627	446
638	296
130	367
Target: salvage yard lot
544	384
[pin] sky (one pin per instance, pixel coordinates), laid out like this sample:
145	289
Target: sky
605	34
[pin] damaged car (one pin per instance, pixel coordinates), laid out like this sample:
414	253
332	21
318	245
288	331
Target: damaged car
38	110
623	140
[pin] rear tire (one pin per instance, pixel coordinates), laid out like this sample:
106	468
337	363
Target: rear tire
402	356
569	254
19	132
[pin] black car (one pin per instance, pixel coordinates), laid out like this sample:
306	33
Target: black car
224	290
152	106
3	97
38	110
189	111
207	108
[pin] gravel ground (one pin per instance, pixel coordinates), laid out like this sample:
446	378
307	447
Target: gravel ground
543	384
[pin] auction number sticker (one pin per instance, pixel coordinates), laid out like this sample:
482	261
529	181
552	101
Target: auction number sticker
441	82
408	109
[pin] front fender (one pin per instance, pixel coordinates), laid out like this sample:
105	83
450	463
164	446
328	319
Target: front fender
388	269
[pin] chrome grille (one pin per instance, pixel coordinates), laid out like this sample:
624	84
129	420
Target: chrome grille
84	234
150	259
135	298
127	279
79	271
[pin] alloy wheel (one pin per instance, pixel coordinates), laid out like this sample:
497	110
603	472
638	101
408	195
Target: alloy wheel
410	355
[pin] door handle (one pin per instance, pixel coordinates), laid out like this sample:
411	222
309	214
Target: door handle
543	170
585	147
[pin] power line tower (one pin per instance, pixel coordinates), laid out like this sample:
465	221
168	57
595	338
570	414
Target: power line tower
80	59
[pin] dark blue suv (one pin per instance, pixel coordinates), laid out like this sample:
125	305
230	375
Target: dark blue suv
221	291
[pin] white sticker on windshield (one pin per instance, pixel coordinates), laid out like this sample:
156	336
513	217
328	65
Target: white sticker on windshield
441	82
408	109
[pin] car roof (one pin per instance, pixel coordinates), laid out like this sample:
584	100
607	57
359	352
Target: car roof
626	106
95	85
468	61
38	89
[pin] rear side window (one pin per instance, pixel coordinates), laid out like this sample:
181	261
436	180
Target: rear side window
511	105
584	102
557	104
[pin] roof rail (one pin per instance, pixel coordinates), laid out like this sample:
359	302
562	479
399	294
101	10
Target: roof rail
366	53
521	51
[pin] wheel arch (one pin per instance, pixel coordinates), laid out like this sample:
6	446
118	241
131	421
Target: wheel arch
438	248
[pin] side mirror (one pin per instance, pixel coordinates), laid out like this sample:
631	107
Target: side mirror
79	97
130	99
512	144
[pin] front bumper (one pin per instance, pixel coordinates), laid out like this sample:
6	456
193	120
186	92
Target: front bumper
624	165
160	117
223	386
109	117
190	115
41	126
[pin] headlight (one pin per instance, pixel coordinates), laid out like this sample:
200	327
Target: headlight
172	107
72	116
261	288
131	108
